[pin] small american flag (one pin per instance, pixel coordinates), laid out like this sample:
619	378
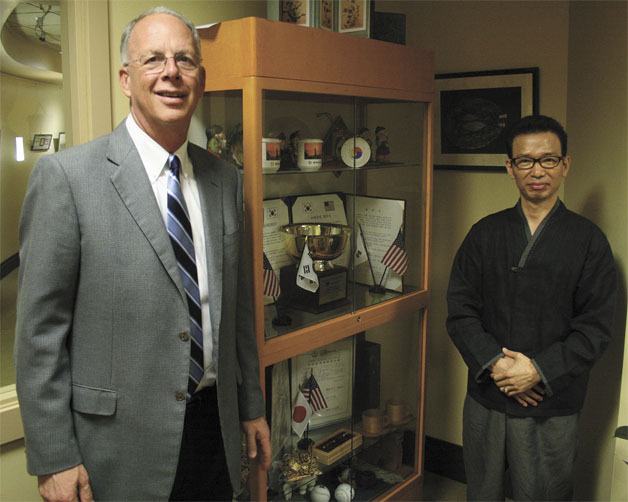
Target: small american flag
271	283
314	394
396	257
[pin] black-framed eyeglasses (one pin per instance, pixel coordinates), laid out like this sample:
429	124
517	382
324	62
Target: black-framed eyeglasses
155	63
546	162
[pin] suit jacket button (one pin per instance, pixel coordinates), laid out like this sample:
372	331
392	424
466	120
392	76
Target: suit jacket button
184	336
180	396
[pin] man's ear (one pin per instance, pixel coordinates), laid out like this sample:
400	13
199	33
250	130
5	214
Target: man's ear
509	169
567	165
123	77
201	79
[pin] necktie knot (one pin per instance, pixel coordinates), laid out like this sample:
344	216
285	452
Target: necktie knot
174	165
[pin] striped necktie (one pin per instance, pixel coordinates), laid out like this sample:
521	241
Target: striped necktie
180	232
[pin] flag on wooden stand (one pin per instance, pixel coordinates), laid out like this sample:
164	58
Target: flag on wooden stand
313	393
396	257
271	283
301	413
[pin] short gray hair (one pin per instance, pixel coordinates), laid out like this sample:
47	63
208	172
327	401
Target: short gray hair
126	34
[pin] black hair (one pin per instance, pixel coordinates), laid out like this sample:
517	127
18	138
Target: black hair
535	124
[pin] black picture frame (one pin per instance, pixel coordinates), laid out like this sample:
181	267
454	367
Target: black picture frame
41	142
473	110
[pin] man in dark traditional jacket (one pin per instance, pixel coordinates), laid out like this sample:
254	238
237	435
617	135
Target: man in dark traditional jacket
531	300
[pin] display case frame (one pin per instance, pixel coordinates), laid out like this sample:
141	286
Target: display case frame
254	56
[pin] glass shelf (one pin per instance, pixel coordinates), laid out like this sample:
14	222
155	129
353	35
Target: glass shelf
337	167
301	318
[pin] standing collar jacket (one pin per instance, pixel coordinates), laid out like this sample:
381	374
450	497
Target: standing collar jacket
550	296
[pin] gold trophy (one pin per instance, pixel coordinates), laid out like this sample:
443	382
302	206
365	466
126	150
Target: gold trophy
325	242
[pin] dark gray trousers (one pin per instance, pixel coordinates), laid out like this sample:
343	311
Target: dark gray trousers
534	455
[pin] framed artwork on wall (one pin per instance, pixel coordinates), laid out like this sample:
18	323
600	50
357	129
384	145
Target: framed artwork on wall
473	110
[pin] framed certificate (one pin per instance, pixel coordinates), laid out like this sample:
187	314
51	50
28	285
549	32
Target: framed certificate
379	226
332	367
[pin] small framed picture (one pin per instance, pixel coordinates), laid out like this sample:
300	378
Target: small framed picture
41	142
299	12
327	14
354	17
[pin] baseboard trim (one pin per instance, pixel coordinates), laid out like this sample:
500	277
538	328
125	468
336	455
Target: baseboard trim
444	458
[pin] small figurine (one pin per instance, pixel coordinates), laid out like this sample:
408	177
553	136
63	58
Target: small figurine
293	148
234	143
335	136
382	148
216	140
299	470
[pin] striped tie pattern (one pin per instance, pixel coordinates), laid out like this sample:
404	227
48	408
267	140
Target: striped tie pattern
180	232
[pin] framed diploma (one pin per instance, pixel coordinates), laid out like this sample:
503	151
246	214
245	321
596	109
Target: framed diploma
332	367
379	227
276	214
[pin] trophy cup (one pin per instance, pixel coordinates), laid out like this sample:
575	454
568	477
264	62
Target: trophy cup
325	242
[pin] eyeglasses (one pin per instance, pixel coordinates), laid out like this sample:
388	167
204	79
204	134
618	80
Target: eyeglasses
526	163
155	63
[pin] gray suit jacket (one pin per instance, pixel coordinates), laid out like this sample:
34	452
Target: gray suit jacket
101	306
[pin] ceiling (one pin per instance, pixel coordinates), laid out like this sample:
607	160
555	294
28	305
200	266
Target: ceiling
30	44
39	21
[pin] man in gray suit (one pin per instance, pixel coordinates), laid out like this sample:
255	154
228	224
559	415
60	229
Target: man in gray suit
134	314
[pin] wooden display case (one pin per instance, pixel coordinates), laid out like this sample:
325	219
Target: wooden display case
365	345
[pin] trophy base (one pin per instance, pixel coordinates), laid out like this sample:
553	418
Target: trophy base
331	294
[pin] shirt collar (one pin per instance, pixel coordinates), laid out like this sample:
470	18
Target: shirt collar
153	155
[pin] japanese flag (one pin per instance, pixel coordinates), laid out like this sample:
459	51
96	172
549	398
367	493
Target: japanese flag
301	412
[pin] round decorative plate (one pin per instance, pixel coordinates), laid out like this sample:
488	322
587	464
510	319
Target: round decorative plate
355	152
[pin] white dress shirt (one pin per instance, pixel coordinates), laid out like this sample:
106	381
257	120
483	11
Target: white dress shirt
155	160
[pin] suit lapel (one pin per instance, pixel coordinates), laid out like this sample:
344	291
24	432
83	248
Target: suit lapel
133	187
210	194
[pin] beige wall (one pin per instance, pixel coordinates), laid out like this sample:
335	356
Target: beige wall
27	107
16	485
198	11
597	187
580	48
474	36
